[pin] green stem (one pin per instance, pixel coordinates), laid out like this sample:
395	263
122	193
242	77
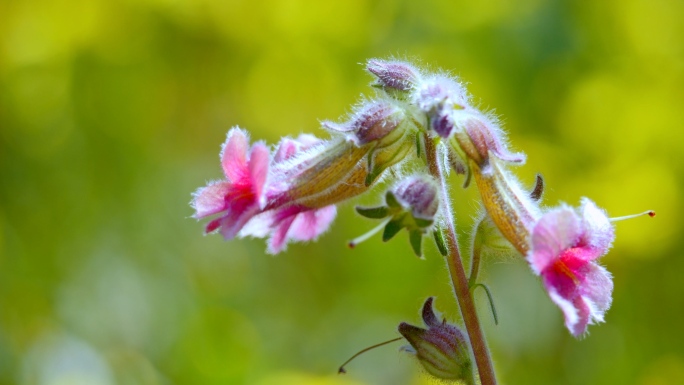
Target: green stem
475	260
457	273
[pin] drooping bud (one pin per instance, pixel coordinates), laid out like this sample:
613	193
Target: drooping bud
396	78
478	137
439	97
418	194
442	348
374	121
411	204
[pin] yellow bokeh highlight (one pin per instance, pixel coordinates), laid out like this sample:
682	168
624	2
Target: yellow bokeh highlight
665	370
294	378
35	32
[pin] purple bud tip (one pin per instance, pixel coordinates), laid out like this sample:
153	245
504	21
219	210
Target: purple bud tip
394	74
418	193
372	122
442	122
442	348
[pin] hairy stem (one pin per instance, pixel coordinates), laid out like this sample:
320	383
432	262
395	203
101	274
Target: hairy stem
457	272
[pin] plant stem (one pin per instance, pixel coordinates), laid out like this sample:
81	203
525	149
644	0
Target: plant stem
458	277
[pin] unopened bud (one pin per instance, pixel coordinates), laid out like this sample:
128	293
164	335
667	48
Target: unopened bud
418	194
477	137
373	122
442	348
439	97
393	76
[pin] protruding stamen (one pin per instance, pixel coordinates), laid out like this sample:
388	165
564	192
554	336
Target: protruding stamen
342	370
650	213
352	244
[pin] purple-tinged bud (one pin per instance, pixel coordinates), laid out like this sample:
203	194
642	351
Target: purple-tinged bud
438	97
411	205
372	122
477	137
419	194
442	348
393	75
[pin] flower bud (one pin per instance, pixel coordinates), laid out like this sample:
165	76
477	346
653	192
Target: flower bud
372	122
395	77
438	97
442	349
478	136
419	195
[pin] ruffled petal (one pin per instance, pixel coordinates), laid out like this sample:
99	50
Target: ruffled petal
232	223
234	154
597	289
279	236
299	224
259	159
556	231
597	231
575	311
211	199
310	224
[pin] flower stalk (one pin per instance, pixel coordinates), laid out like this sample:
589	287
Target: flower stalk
457	273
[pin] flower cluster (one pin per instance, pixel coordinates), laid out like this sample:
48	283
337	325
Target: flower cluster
290	192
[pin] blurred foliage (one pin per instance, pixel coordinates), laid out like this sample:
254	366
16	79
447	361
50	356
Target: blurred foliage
112	112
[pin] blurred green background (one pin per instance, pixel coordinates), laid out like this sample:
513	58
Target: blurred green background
113	112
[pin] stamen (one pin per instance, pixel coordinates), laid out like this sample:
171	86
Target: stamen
342	370
650	213
352	244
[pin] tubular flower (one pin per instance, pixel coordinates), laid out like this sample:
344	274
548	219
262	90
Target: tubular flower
564	247
292	195
240	196
294	222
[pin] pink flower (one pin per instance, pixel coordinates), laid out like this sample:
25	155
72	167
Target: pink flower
565	244
296	222
240	196
292	195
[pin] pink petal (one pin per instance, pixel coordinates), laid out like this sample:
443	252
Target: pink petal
556	231
576	313
234	154
210	199
597	231
286	149
310	224
597	289
258	170
232	223
213	225
279	237
259	226
581	289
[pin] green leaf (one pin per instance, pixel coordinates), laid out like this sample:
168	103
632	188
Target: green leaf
392	229
372	176
439	240
416	237
391	200
373	212
422	222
